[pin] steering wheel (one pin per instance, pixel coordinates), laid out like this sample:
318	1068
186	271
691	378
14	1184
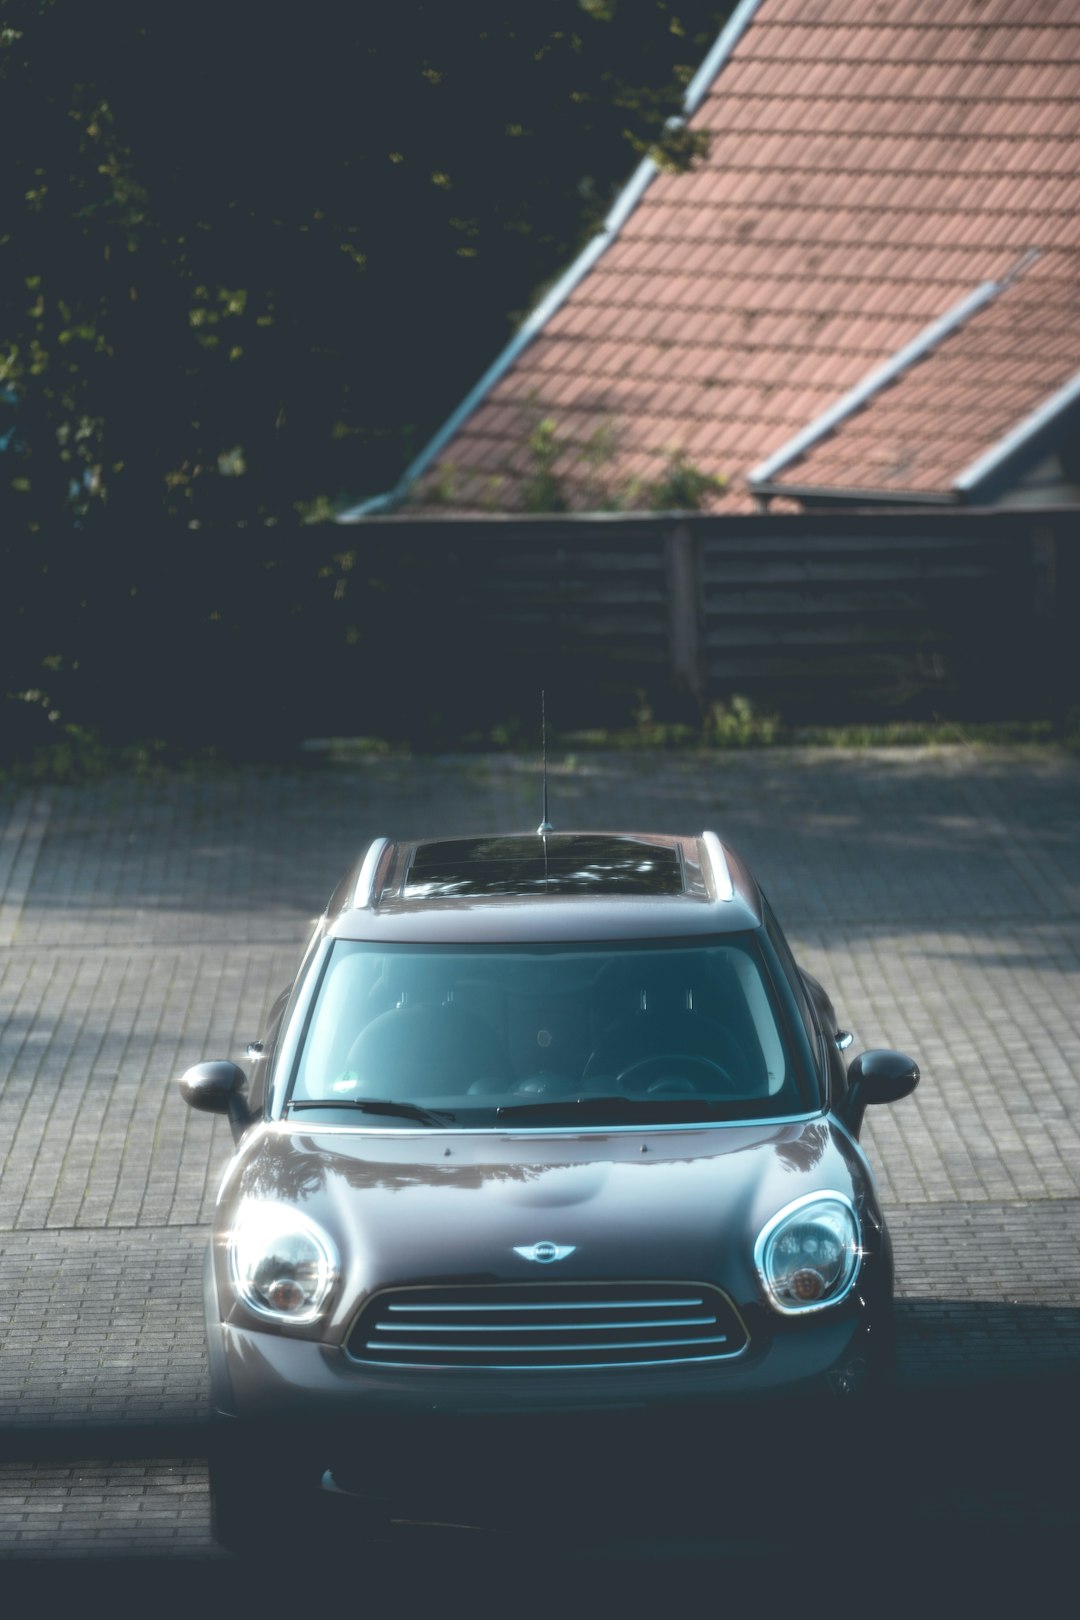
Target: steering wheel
673	1074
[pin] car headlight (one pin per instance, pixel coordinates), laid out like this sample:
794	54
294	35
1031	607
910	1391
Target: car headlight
808	1255
281	1264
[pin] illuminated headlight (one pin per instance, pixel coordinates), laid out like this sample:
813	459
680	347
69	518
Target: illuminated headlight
808	1255
281	1264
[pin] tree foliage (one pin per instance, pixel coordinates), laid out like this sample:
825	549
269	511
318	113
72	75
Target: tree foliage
249	258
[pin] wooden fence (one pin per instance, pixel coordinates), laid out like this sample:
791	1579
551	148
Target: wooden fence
964	614
431	630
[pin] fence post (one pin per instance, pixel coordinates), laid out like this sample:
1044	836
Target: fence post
1057	669
1044	560
682	559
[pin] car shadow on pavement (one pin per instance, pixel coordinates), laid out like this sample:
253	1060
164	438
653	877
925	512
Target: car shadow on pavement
962	1475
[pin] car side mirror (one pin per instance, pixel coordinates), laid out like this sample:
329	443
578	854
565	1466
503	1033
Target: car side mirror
877	1076
218	1088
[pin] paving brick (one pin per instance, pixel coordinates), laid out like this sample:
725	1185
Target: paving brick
95	1509
110	1332
937	892
146	925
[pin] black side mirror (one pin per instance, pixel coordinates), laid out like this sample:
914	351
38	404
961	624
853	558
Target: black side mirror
218	1088
877	1076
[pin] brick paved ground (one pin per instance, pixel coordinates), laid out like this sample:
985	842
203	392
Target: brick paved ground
146	925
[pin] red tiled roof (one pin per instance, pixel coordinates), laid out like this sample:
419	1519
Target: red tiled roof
870	164
941	414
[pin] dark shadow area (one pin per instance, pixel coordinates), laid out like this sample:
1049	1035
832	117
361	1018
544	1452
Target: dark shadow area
962	1479
825	618
969	1493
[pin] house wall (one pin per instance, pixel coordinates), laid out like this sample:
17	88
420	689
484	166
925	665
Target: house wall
1047	484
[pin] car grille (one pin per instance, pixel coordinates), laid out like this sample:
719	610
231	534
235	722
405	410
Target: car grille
541	1327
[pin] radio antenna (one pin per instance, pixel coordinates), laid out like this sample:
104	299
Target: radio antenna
545	825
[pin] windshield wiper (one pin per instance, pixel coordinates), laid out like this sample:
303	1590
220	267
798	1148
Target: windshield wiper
376	1105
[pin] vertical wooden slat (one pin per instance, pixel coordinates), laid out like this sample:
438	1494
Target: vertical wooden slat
682	557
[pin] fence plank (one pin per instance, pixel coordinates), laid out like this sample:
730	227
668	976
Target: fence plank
825	615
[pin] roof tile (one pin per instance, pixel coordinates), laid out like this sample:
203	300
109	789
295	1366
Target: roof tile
869	166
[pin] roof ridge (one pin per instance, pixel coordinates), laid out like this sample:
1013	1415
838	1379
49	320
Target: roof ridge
951	209
790	277
889	135
949	100
971	26
949	171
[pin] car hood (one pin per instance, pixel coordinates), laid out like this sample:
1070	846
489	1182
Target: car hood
413	1207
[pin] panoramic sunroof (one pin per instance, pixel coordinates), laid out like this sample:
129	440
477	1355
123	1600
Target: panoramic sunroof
532	865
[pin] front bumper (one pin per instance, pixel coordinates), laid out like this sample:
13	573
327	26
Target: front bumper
495	1450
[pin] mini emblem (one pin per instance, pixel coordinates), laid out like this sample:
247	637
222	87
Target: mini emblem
546	1252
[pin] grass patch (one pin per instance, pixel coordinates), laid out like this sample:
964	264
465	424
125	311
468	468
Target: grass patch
737	725
75	754
928	733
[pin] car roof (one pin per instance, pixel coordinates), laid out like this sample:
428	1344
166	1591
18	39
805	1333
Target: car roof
517	887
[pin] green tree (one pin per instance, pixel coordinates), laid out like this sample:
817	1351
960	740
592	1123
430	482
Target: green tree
252	258
249	259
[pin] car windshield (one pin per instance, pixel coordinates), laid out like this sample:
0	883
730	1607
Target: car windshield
648	1032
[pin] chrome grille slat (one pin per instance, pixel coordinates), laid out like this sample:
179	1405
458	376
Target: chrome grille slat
529	1350
580	1305
544	1327
538	1327
577	1366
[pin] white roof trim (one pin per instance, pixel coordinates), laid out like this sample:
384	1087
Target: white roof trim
1018	436
765	472
718	867
364	896
617	216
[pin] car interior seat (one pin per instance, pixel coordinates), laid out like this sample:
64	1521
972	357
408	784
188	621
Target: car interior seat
426	1044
